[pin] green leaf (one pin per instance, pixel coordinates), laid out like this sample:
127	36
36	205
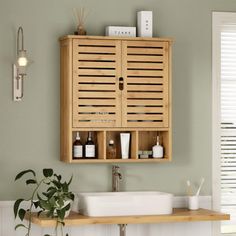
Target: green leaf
65	187
45	205
20	225
16	206
51	193
60	202
47	172
67	207
52	201
71	196
57	184
61	214
31	181
50	213
45	194
36	204
23	173
39	197
58	177
21	214
70	180
50	188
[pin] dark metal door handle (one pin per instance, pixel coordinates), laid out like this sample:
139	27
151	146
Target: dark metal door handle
121	83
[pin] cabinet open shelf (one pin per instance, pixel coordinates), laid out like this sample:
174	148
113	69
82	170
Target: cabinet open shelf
98	138
140	140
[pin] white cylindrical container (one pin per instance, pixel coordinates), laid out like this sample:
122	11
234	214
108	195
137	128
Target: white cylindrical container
193	202
124	140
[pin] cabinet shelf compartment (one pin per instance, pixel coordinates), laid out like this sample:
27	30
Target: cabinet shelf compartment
147	139
115	136
98	138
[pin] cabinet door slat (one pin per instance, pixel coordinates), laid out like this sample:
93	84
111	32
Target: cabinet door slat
143	95
144	117
145	65
95	110
145	102
137	87
96	72
143	58
101	102
85	94
142	109
143	73
140	80
97	117
95	57
96	49
95	79
145	51
96	87
97	64
134	124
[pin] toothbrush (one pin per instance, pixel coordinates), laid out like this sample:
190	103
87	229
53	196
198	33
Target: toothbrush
189	190
200	186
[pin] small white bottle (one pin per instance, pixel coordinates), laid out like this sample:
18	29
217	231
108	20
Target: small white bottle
157	150
77	147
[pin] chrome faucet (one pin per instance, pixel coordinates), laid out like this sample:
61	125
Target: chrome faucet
116	177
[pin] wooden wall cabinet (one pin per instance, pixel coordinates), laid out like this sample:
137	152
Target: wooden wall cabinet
111	85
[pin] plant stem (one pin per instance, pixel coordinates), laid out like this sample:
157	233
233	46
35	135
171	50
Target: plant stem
56	228
61	230
31	206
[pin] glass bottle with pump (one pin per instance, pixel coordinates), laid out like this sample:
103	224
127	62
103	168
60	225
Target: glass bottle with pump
111	150
77	148
157	150
89	147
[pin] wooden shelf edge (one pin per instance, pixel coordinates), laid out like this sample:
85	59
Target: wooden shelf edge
178	215
114	38
120	129
102	161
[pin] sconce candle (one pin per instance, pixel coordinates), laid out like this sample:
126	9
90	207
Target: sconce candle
19	68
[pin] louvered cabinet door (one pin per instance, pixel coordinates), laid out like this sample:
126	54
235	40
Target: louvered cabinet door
146	74
96	94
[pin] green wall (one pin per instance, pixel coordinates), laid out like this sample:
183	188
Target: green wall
29	130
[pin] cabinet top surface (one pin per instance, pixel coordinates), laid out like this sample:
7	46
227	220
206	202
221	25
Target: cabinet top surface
115	38
178	215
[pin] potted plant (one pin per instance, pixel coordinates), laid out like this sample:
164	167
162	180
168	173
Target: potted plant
50	196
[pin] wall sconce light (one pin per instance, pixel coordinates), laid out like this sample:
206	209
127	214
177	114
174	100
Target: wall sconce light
19	68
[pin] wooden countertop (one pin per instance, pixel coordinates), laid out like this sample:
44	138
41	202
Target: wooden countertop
179	215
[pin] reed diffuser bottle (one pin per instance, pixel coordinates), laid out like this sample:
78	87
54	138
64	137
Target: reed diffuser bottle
80	16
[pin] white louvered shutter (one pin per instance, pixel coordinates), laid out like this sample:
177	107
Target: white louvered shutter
228	125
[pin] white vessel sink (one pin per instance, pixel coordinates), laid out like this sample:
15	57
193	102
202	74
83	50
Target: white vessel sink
125	203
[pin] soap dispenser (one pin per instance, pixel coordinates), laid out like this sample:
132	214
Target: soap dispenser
157	150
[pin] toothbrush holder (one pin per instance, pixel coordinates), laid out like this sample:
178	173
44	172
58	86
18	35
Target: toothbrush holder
193	202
